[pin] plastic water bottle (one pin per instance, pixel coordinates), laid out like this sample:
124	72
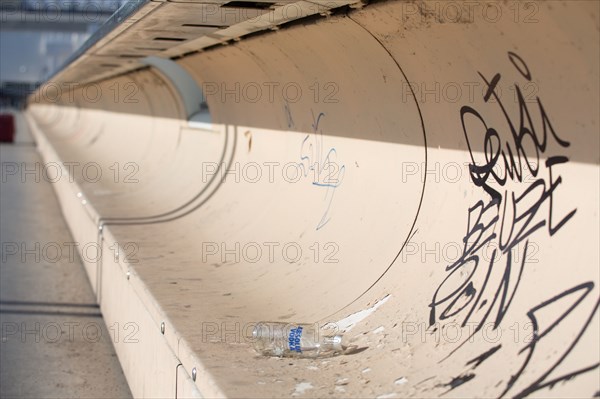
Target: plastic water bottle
294	340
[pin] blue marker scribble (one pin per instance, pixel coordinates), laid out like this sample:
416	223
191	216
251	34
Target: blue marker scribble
326	172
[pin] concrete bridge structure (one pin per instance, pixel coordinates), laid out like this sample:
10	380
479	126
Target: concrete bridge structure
421	176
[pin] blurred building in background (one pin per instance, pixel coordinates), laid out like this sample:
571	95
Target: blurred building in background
37	37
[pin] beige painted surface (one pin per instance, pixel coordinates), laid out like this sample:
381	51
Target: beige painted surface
387	215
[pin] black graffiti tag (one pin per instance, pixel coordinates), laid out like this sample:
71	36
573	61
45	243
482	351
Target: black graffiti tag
510	213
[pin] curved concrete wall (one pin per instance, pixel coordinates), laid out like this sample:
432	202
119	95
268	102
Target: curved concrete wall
447	164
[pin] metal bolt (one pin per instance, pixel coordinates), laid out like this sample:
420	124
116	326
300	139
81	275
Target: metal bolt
194	373
162	327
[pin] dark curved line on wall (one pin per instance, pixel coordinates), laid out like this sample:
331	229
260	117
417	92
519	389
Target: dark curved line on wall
120	221
135	77
410	233
172	90
150	219
141	221
98	135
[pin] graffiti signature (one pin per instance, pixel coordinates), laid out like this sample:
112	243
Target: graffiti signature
510	214
322	165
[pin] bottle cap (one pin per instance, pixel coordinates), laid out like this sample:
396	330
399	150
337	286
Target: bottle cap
336	342
261	330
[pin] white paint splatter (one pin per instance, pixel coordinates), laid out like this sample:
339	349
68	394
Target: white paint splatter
366	370
387	396
378	330
400	381
347	323
301	388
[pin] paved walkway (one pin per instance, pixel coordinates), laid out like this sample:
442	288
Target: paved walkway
53	339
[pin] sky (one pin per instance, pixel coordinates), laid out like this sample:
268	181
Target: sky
38	36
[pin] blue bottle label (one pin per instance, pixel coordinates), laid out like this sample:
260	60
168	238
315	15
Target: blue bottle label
294	339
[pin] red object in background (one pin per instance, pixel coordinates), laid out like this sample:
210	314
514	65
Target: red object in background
7	128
